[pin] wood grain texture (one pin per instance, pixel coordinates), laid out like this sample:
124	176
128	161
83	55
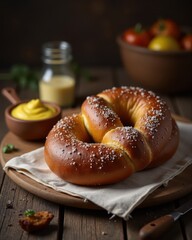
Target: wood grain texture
13	203
92	225
142	216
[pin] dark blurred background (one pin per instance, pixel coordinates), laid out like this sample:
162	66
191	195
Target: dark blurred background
90	26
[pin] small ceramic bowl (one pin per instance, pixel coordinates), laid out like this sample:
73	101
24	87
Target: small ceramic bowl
161	71
28	129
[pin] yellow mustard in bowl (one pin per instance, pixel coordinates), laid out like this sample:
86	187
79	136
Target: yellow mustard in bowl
33	110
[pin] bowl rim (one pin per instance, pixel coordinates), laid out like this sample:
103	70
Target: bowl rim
145	50
9	108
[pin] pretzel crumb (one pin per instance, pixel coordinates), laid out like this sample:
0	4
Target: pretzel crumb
35	220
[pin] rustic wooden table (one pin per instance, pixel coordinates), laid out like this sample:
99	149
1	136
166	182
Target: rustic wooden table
78	223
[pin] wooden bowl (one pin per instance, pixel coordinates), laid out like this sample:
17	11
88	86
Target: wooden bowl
29	129
161	71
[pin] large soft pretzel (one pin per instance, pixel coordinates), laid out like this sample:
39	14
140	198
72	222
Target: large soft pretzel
118	132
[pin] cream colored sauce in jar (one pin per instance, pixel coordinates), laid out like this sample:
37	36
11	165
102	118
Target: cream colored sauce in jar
60	90
57	83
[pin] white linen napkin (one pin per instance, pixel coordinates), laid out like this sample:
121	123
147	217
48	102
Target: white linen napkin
119	199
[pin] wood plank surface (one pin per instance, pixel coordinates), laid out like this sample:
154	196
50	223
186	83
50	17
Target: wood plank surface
14	201
84	224
149	214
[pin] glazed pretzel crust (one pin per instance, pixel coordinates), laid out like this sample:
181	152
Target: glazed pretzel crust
118	132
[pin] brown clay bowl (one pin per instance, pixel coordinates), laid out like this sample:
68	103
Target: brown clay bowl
28	129
165	72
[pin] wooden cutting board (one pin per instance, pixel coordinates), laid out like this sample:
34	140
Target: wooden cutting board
178	187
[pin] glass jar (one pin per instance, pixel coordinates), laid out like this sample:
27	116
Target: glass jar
57	83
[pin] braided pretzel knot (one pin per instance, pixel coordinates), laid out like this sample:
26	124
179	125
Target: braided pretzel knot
118	132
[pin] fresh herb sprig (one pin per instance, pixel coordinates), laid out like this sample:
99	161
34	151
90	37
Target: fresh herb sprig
9	148
24	77
27	78
29	213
